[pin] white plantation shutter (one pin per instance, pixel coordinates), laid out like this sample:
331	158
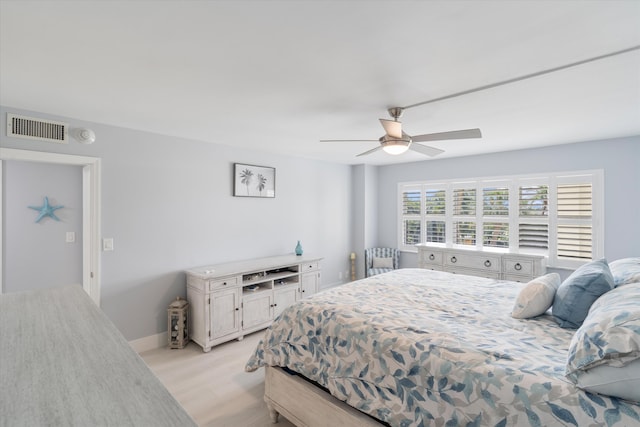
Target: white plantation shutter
533	236
533	201
411	216
495	201
435	201
533	217
495	211
436	231
558	215
464	216
574	201
495	234
464	233
411	204
464	201
575	209
575	241
435	211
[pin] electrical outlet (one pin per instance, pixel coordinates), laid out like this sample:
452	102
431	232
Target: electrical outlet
70	237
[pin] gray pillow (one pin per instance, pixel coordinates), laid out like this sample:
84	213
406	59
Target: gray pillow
382	262
576	294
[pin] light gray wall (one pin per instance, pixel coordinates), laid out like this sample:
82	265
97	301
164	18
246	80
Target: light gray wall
167	203
365	212
34	251
619	158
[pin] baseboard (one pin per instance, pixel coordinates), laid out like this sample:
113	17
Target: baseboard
149	343
324	287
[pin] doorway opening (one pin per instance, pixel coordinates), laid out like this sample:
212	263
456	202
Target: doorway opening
90	211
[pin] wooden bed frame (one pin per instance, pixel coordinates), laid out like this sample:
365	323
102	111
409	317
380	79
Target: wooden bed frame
307	405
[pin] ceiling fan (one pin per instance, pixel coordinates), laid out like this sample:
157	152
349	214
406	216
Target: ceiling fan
396	141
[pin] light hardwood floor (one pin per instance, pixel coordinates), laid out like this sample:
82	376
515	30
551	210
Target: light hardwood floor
213	387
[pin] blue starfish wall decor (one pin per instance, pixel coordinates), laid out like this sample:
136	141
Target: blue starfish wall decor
46	210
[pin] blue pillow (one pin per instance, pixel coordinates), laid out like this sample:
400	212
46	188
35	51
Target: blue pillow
576	294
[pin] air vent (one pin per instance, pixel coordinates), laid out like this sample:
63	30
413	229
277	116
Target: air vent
42	130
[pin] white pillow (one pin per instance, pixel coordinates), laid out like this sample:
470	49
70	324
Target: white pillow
604	352
382	262
536	297
624	271
612	381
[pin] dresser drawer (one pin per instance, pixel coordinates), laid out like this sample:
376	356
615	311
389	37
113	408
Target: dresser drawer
309	266
473	272
516	278
429	259
524	267
479	262
221	283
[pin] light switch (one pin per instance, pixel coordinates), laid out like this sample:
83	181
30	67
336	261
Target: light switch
107	244
71	237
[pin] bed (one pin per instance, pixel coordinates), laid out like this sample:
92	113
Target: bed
62	362
416	347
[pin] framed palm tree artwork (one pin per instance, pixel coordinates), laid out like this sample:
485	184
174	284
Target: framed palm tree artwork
254	181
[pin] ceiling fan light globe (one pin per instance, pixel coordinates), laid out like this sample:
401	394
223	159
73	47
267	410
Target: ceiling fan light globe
395	148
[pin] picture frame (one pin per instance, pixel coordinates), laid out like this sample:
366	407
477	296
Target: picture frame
254	181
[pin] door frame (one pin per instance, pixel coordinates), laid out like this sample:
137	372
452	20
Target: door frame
90	211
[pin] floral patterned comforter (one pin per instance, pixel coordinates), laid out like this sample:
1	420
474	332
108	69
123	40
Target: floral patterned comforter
416	347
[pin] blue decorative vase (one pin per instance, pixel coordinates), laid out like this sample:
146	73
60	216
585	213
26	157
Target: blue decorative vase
298	249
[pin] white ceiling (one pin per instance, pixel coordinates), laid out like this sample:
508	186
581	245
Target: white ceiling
281	75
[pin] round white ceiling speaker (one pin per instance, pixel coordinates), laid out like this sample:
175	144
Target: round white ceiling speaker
84	136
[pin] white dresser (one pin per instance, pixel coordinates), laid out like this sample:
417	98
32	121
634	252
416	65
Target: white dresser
494	265
228	301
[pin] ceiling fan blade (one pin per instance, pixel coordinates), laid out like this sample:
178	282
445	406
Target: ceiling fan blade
424	149
373	150
349	140
392	128
454	134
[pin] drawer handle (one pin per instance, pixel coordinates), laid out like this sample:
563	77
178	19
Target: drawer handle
237	309
454	259
224	283
432	257
487	263
518	266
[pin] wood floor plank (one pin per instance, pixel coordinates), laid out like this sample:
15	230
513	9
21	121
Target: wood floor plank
213	387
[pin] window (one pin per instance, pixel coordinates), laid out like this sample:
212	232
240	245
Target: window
533	217
574	221
495	215
435	215
556	215
411	214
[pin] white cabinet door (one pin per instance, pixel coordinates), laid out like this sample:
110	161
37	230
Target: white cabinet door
309	283
225	312
283	298
257	309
